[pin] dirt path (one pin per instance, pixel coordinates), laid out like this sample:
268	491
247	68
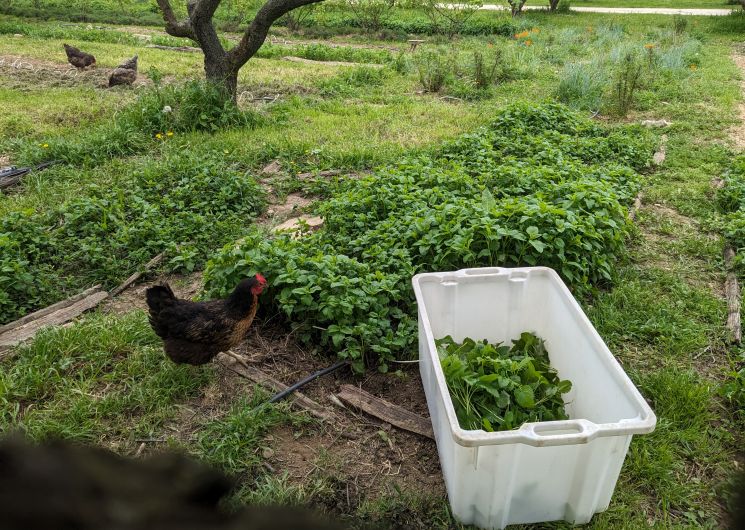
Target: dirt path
627	10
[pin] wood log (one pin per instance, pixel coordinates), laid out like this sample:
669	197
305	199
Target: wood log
63	314
385	411
49	309
136	276
732	291
257	376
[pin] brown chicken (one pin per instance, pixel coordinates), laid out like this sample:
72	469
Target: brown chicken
77	58
125	73
195	332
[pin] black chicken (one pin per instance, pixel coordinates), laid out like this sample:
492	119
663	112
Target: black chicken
77	58
195	332
125	73
60	486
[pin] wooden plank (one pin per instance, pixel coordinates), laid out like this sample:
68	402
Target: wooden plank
65	314
136	276
732	290
257	376
385	410
49	309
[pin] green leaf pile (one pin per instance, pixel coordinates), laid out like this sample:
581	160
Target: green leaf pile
498	388
540	185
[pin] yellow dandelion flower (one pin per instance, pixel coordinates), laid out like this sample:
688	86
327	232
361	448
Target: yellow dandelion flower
169	133
528	42
159	136
226	151
589	29
45	146
693	67
649	46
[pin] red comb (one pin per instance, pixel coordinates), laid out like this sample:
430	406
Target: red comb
260	278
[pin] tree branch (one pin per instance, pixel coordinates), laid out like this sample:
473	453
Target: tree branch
173	26
256	33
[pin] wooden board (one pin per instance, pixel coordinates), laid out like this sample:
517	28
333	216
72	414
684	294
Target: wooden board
385	410
49	309
63	314
136	276
257	376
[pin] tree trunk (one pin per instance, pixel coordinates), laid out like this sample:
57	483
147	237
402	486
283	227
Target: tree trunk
553	4
222	75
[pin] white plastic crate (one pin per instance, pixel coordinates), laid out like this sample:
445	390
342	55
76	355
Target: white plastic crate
542	471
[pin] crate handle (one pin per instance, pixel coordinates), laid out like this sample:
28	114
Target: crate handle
559	432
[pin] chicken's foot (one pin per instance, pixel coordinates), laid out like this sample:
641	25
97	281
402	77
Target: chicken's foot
237	357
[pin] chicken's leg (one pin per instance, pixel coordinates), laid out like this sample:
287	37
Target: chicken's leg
237	357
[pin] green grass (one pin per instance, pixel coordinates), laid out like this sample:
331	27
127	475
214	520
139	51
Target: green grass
105	380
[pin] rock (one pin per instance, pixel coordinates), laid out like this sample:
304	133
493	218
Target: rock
17	35
656	123
294	224
273	168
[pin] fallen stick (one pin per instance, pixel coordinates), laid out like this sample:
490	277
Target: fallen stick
732	290
49	309
175	48
385	410
635	207
136	276
63	314
257	376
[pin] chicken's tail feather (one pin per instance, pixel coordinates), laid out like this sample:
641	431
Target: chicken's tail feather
159	297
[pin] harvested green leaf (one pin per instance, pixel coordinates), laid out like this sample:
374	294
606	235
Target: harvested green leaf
498	388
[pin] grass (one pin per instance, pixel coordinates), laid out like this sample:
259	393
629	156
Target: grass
105	380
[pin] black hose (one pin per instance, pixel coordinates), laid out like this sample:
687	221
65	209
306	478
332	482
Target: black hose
286	392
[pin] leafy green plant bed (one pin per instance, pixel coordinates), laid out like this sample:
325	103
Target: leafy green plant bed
497	388
540	185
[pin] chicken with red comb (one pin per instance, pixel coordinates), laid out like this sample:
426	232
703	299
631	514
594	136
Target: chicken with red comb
195	332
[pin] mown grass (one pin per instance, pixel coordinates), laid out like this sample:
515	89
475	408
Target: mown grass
106	381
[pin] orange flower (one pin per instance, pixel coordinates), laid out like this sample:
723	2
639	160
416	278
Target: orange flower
522	34
649	46
528	42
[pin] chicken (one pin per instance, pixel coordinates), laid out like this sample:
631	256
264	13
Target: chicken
78	58
125	73
195	332
60	485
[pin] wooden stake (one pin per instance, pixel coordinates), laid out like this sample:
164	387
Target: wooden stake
386	411
136	276
732	290
257	376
